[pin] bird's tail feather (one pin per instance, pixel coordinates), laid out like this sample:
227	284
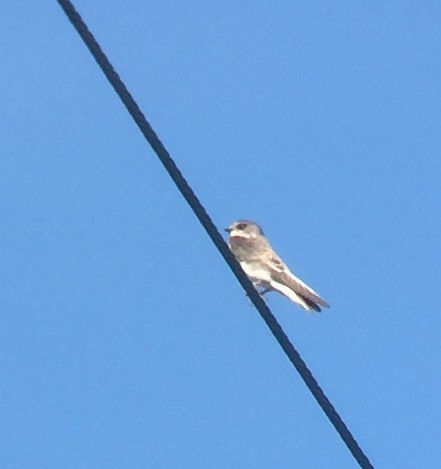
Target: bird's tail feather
305	303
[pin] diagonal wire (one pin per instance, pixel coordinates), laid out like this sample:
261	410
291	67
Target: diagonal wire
205	220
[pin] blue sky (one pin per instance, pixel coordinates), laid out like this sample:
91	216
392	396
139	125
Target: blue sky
125	341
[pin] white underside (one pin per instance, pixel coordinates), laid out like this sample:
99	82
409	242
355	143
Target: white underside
262	278
256	275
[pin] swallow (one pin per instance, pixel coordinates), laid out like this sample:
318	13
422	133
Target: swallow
265	268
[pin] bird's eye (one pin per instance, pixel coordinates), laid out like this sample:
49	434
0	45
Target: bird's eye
241	226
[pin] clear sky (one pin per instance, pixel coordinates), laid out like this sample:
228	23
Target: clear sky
125	341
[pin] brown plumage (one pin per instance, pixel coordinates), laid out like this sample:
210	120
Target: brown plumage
265	268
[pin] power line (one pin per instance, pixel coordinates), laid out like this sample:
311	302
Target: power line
205	220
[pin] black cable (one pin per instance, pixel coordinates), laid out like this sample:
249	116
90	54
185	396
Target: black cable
203	217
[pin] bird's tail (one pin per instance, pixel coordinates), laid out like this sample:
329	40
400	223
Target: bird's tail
301	300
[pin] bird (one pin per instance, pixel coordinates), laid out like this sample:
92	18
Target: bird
265	268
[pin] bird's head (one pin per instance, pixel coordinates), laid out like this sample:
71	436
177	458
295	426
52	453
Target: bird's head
244	229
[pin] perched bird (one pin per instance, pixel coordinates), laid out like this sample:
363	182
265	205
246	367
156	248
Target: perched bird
265	268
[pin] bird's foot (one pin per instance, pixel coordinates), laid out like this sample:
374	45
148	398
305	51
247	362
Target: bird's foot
261	292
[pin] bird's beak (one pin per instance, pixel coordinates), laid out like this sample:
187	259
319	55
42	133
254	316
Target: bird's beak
228	230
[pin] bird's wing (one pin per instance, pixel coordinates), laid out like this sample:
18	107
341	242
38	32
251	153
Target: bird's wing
283	275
